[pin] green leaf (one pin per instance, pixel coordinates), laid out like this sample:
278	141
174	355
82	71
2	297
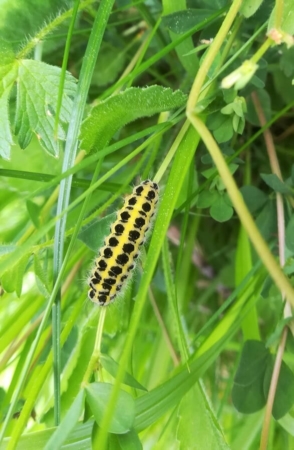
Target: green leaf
181	21
253	197
34	212
98	395
252	362
127	441
284	397
207	198
8	75
228	109
216	120
266	220
198	427
265	102
111	63
189	186
287	24
247	394
220	210
249	7
112	367
41	277
68	423
37	94
12	279
273	181
6	52
112	114
78	439
290	234
276	335
286	62
238	124
93	234
225	132
5	133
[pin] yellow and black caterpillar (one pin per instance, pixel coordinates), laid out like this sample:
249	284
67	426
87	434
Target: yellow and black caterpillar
117	257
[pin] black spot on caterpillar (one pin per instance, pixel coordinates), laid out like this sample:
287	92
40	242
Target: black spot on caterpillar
115	262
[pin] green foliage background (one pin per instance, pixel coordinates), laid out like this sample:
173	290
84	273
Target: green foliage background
94	98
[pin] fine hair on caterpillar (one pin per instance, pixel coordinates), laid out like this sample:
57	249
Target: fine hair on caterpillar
116	260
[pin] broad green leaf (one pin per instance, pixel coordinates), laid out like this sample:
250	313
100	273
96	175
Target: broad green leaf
284	397
273	181
68	423
220	210
93	234
5	133
254	197
225	132
111	366
198	427
8	75
247	394
216	120
98	395
283	86
207	198
252	363
112	114
290	234
249	7
37	93
12	279
228	109
181	21
266	220
286	62
127	441
21	19
111	63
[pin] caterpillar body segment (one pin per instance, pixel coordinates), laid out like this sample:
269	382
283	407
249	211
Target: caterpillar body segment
116	260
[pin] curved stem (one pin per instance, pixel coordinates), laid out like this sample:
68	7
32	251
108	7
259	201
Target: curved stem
245	217
211	54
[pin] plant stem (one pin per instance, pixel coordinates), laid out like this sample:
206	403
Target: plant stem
272	391
71	146
97	348
49	28
238	202
211	55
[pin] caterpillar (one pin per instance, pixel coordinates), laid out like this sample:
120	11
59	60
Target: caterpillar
116	260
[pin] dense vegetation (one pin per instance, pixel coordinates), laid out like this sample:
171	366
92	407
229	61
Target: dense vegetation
197	351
